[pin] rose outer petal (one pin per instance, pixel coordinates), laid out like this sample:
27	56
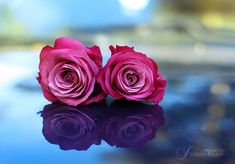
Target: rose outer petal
69	43
159	91
46	92
95	55
120	49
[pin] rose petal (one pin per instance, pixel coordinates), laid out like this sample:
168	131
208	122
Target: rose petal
95	55
69	43
120	49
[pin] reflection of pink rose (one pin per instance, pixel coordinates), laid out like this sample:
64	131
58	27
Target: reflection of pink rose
68	72
70	127
132	75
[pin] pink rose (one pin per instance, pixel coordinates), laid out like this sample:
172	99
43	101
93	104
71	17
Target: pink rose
132	75
68	72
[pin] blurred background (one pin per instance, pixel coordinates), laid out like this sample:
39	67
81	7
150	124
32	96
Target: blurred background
200	25
193	42
197	31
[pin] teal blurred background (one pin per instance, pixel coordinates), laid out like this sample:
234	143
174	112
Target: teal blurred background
197	31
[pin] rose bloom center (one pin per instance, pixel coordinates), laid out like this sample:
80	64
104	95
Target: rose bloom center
68	77
131	78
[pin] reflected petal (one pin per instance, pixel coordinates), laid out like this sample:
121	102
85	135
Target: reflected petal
121	124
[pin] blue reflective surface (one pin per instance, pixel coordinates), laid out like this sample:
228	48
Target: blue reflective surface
199	112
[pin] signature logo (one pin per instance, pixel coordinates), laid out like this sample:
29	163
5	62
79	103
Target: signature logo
185	151
182	152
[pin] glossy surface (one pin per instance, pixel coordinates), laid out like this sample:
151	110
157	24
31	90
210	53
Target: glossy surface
198	110
121	124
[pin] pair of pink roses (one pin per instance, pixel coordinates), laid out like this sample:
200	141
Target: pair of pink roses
71	73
